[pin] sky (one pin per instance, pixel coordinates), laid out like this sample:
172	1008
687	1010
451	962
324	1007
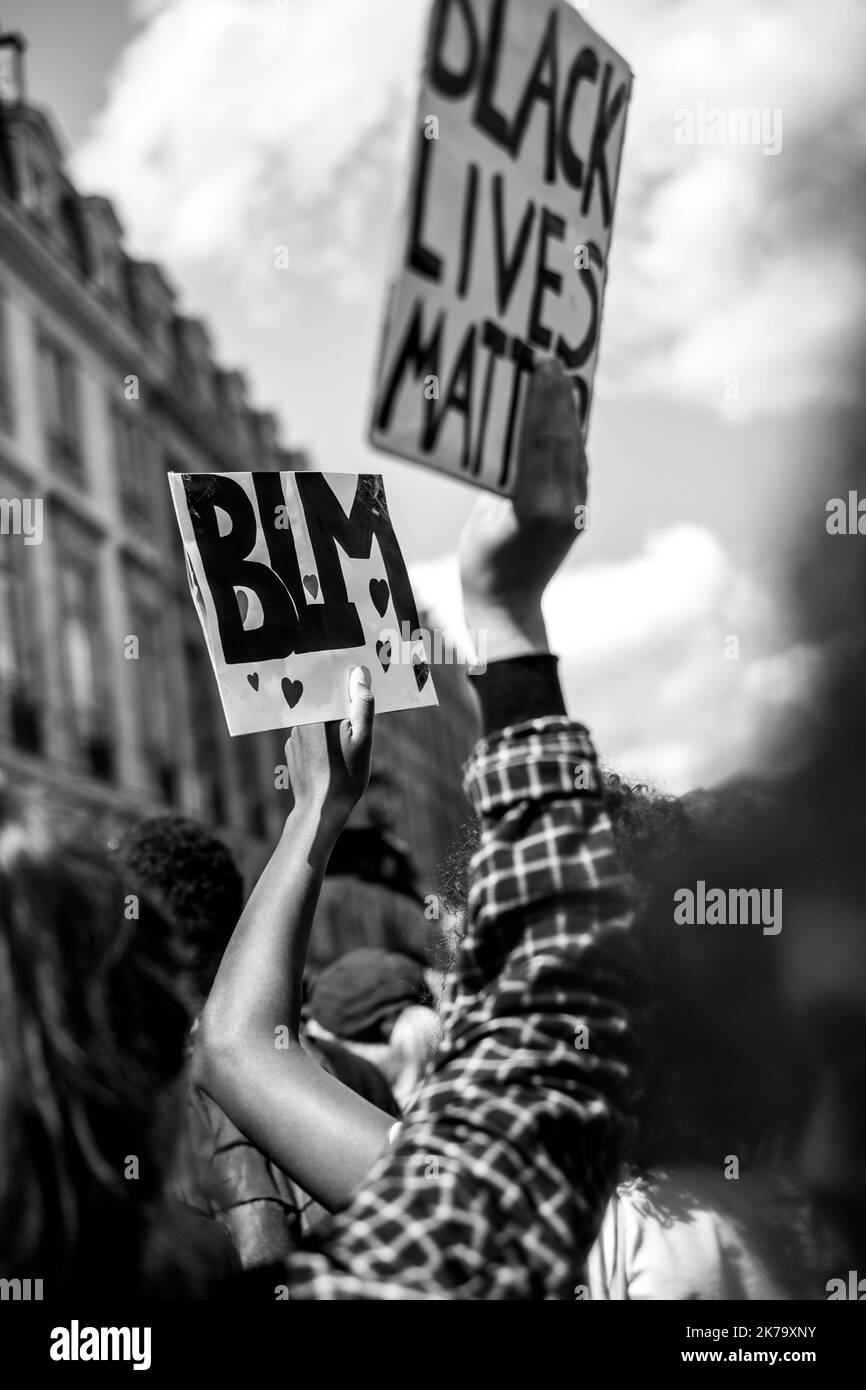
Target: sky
223	128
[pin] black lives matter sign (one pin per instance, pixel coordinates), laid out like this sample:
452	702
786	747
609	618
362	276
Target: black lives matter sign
504	249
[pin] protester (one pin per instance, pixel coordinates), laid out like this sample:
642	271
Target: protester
92	1039
787	1035
379	1004
709	1206
496	1182
194	875
561	1072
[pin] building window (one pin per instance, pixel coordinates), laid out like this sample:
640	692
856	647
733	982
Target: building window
83	655
59	386
40	187
210	797
153	686
7	399
20	713
41	190
131	456
109	268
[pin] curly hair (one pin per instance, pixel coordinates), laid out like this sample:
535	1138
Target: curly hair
194	877
92	1040
712	1065
714	1073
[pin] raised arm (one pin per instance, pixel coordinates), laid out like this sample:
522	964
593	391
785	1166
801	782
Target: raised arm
248	1055
496	1185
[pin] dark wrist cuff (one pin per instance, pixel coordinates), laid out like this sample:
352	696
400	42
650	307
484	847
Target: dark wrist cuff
518	689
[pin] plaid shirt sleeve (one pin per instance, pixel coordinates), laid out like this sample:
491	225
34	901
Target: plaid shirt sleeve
498	1179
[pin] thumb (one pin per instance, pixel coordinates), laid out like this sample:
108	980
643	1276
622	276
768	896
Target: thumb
361	705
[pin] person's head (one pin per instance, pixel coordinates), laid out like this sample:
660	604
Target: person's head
713	1065
813	1038
707	1003
379	1004
195	877
92	1043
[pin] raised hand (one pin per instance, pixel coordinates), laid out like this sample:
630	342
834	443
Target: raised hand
509	551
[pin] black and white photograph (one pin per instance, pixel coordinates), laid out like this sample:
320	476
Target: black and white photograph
432	673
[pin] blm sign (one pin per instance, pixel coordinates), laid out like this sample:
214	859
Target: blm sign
505	238
298	577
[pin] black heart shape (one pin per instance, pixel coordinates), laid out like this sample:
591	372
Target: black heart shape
383	651
422	671
380	594
292	690
311	584
254	680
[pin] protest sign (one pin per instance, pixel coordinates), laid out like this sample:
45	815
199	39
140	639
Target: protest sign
505	239
295	577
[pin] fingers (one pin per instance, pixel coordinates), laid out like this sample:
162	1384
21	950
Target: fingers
553	461
561	433
540	424
361	704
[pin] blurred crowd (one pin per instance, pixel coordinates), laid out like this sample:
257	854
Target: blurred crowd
577	1096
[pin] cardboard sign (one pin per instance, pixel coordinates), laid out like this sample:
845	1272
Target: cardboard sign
298	577
504	249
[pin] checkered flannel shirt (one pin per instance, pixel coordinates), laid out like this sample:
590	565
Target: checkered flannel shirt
497	1182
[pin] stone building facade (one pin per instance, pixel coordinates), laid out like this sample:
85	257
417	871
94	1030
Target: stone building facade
108	705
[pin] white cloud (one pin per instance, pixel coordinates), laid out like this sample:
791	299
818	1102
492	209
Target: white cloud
727	262
233	126
642	645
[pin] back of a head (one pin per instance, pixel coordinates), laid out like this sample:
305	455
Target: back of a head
194	876
713	1066
92	1038
359	995
707	1004
378	1004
